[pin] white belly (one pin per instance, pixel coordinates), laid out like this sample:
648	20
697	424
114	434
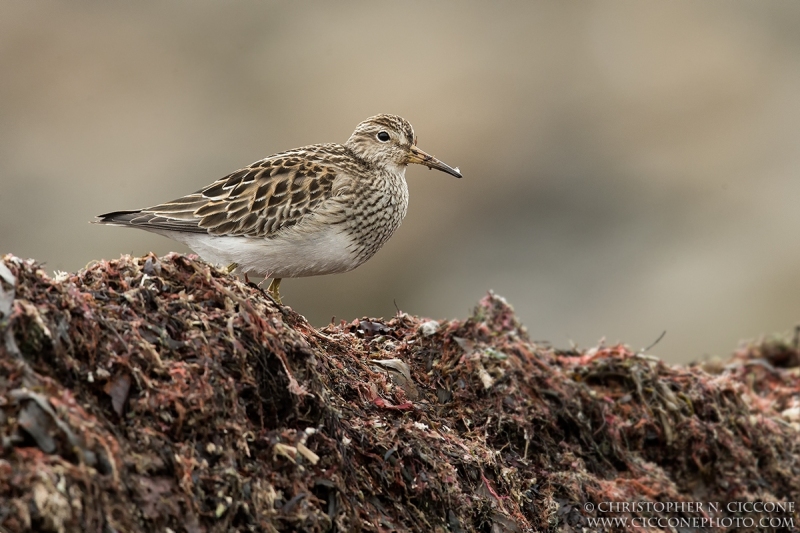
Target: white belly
292	254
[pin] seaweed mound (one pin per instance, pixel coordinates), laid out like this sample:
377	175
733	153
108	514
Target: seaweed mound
162	394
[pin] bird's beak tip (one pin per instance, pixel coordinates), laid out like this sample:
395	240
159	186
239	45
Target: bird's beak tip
421	158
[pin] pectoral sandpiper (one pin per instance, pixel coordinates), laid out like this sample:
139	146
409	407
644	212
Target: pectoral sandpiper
319	209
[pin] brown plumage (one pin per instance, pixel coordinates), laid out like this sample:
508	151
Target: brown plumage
318	209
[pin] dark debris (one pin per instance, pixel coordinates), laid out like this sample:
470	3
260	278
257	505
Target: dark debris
150	393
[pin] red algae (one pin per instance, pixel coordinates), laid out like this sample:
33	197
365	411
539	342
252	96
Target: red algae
149	393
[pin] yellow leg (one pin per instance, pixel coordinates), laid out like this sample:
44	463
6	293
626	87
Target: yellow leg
273	290
230	268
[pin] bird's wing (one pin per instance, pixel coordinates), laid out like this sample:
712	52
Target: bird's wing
256	201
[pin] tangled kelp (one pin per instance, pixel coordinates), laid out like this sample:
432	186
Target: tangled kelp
158	394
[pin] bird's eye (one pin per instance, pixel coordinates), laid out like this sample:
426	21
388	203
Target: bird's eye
383	136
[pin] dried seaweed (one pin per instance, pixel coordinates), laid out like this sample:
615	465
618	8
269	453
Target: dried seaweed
156	394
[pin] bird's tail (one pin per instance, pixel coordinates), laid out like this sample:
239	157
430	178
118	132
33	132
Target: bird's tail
118	218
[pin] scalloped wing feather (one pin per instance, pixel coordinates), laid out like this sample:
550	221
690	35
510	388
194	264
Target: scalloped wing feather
256	201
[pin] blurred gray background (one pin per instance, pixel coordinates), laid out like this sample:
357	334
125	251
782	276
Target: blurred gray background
629	167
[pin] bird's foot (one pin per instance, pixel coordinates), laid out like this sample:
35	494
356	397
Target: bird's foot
273	290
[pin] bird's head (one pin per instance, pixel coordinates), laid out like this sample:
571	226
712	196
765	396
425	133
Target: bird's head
388	141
